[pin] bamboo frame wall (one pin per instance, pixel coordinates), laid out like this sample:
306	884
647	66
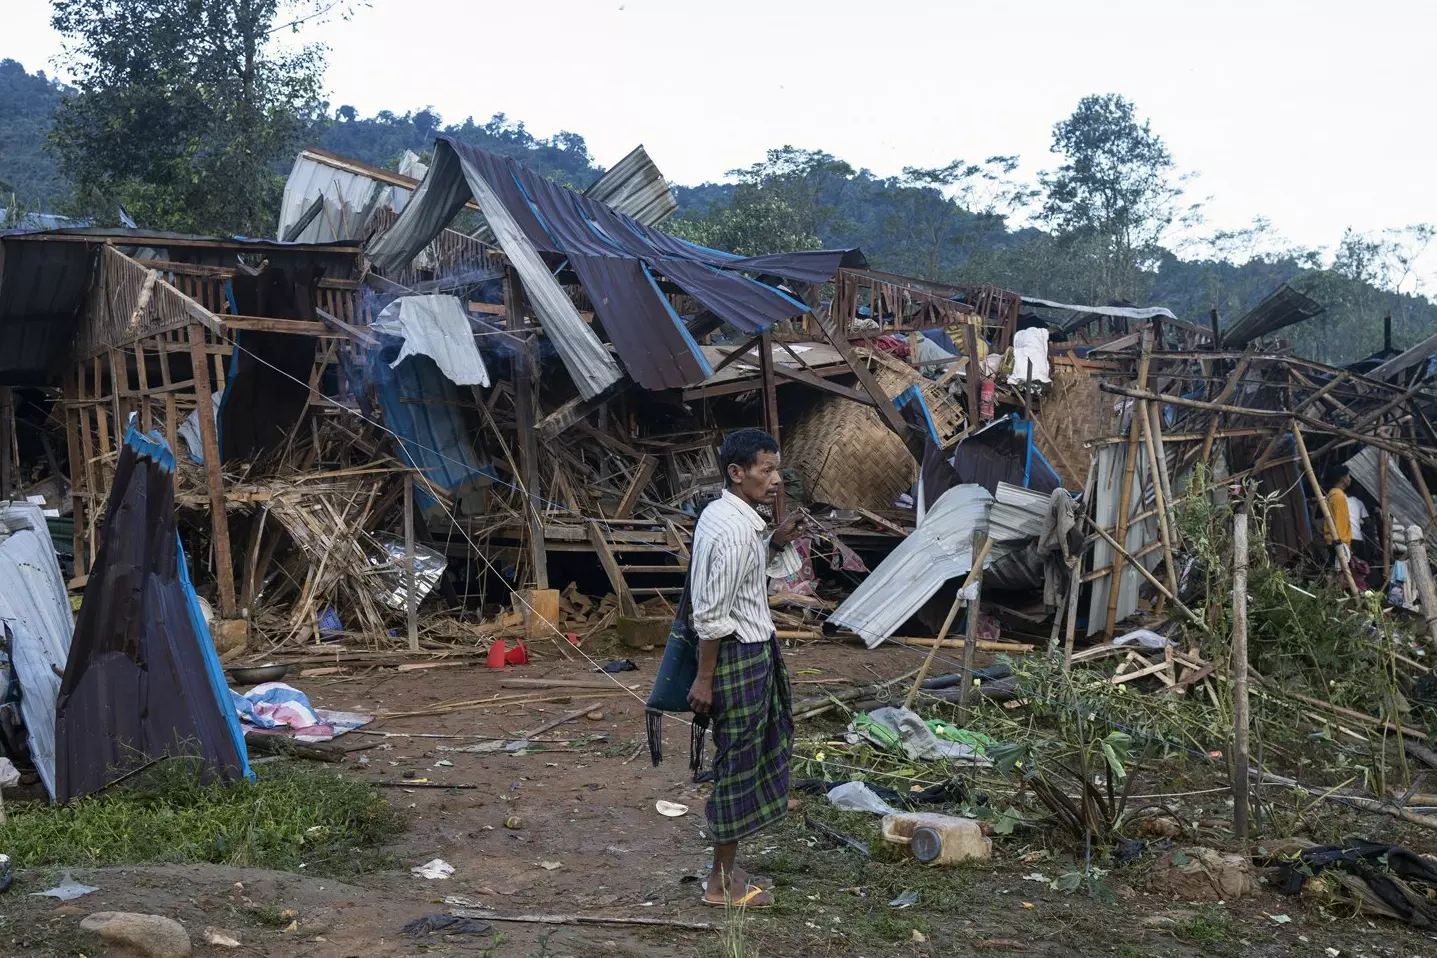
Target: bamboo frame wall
139	317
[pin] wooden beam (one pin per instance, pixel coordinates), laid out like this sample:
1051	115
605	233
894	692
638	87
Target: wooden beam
209	438
524	375
578	409
357	333
886	410
627	606
642	475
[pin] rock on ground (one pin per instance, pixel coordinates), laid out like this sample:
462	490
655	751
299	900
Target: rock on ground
151	935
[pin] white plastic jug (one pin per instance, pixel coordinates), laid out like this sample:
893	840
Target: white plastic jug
937	839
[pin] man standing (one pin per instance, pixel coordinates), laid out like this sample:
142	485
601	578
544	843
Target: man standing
1357	514
741	682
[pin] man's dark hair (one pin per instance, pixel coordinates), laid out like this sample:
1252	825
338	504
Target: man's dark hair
742	446
1336	474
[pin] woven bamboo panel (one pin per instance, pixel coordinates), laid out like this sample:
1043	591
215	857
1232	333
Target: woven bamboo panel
1073	413
847	457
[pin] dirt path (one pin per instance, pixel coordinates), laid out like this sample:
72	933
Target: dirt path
582	836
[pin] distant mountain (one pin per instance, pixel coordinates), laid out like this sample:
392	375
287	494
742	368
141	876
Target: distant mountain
26	170
902	227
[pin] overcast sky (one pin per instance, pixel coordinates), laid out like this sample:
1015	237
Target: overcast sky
1318	114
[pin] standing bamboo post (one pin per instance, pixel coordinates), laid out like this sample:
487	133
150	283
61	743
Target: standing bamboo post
1125	496
1241	715
1384	514
1155	414
1421	574
410	577
980	555
1321	501
1075	585
1160	501
965	687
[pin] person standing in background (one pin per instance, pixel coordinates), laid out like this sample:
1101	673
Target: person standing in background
1357	514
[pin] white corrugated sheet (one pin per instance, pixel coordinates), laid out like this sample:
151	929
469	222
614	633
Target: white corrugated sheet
1106	499
1403	499
347	194
635	187
938	550
35	611
1017	513
436	326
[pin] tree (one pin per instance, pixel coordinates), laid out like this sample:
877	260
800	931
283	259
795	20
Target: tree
186	109
752	226
1114	192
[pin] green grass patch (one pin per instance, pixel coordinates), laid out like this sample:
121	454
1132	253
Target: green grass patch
290	816
1211	926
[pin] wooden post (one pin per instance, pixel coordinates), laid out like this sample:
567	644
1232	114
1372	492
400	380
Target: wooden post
209	438
965	686
980	556
1075	575
78	486
1421	574
411	578
1384	514
974	378
1321	500
524	375
1241	716
1125	496
770	409
7	429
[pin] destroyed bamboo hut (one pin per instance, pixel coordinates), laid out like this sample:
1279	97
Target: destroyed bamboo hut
515	423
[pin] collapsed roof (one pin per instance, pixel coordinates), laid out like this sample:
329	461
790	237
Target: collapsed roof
544	228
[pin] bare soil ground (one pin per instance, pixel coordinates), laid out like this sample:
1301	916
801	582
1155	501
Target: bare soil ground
590	808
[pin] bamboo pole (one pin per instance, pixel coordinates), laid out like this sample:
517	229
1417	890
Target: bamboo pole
965	686
1075	576
1240	705
1321	501
1316	425
980	555
1421	574
411	606
1192	616
1160	501
1155	414
1130	461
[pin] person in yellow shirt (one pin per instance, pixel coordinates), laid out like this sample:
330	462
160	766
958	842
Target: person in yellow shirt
1338	479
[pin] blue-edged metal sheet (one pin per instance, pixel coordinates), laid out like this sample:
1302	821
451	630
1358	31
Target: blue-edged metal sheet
422	407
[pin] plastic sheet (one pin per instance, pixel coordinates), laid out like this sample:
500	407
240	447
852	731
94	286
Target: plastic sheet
389	562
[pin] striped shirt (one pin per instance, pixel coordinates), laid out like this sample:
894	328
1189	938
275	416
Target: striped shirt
730	569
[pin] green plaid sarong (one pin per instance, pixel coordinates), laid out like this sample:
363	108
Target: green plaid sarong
753	740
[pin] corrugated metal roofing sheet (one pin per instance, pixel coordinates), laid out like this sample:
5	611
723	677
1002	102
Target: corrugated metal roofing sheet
1403	499
635	187
35	610
1017	513
1106	500
42	293
346	195
1281	308
657	349
938	550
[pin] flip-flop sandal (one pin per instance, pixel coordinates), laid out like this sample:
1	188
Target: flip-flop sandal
751	893
762	881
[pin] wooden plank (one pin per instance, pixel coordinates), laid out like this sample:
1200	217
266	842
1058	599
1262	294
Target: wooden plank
524	373
886	409
147	417
209	439
627	606
77	486
356	333
266	324
411	604
642	475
